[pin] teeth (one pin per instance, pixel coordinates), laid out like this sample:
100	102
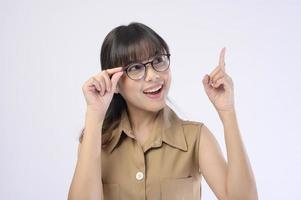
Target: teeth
155	89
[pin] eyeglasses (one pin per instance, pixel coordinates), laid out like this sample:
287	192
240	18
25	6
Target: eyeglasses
136	71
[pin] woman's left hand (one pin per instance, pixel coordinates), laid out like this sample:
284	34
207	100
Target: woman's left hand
219	86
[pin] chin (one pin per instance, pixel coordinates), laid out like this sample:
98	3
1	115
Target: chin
155	107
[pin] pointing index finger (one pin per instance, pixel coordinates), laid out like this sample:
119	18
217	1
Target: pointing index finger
221	62
114	70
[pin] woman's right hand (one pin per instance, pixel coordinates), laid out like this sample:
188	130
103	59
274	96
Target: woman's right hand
100	88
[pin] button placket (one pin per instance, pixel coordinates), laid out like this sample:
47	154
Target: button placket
139	173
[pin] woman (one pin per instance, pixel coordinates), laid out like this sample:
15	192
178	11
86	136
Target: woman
134	146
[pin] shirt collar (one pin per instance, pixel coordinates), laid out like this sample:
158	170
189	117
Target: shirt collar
167	128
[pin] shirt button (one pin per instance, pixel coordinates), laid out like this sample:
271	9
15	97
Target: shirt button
139	176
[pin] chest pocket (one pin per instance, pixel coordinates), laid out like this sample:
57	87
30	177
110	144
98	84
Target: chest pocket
111	191
177	189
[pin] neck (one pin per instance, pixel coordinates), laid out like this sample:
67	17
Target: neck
141	119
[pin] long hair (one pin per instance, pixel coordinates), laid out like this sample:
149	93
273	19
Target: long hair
123	45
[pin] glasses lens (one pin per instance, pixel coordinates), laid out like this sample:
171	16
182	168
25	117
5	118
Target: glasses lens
161	63
135	71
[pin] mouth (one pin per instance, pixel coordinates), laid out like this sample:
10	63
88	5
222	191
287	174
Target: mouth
154	93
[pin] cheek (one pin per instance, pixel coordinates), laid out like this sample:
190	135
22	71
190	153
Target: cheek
124	86
168	79
129	88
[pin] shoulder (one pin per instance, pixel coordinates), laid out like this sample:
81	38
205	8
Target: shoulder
192	130
191	126
197	130
190	123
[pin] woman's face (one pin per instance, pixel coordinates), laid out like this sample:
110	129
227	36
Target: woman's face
141	94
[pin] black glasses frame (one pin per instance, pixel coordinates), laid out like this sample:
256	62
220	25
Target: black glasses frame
144	64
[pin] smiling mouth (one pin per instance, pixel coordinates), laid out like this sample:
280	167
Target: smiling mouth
155	91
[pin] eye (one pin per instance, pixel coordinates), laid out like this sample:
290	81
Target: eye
135	67
158	60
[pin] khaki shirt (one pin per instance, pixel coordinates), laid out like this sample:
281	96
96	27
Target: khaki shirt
165	167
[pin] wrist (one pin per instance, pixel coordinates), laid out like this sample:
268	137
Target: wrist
94	117
227	114
95	110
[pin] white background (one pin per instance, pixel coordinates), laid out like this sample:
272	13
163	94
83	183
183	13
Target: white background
50	48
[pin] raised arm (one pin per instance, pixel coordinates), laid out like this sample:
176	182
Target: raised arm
233	179
228	180
87	180
86	183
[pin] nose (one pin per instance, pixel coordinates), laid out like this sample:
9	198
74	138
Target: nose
150	73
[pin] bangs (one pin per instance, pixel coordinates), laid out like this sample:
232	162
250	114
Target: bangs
135	45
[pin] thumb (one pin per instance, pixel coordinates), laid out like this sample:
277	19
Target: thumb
115	79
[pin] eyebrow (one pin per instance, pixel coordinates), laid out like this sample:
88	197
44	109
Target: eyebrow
151	58
142	62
